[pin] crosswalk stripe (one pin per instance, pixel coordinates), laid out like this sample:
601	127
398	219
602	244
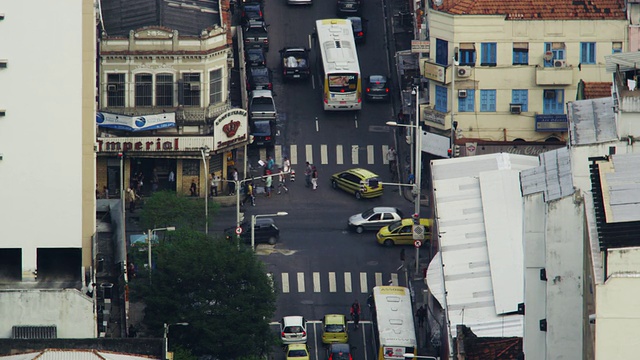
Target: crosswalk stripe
339	159
363	283
378	279
324	156
354	154
332	282
300	282
316	282
394	279
309	153
370	155
385	148
277	154
293	154
285	282
263	153
347	282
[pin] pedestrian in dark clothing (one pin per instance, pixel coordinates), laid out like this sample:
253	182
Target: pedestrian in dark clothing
421	314
194	188
307	175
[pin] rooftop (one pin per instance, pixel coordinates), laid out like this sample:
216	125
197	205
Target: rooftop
537	9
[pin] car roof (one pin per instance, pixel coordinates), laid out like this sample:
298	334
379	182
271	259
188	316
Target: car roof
383	209
335	319
259	70
262	221
261	93
256	23
340	348
297	346
363	173
292	320
255	50
408	221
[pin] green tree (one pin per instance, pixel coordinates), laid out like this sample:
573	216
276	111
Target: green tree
164	208
222	292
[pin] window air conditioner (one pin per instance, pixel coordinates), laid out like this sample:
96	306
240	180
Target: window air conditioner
464	71
549	94
3	63
515	108
194	86
462	94
559	63
112	88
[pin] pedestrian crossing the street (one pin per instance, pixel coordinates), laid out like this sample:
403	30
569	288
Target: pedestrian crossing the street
324	154
331	282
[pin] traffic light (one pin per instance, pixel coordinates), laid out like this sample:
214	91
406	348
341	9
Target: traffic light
449	152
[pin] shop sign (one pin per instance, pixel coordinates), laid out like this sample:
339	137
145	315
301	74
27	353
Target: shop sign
149	144
419	46
433	71
551	122
433	116
230	128
136	123
474	148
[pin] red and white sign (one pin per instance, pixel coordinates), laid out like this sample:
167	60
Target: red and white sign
230	128
238	230
417	243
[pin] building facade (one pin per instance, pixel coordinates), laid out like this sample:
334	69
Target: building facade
47	168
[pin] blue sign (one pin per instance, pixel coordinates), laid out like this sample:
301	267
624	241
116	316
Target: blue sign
552	122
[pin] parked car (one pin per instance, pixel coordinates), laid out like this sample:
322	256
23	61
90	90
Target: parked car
374	218
251	11
339	352
334	329
262	106
401	233
349	8
359	182
293	329
255	57
256	35
297	352
299	2
263	132
377	88
265	231
259	78
359	26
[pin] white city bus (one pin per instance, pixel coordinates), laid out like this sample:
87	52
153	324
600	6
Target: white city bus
393	322
339	67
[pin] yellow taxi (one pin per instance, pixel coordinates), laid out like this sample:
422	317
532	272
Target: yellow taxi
401	232
361	183
297	352
334	329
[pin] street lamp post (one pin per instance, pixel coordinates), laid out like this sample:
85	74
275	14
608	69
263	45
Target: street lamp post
149	237
253	225
205	152
165	338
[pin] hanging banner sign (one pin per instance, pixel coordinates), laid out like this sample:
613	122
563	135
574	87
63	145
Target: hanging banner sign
136	123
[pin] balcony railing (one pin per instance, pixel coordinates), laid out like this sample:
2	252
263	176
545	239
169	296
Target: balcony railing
557	75
184	114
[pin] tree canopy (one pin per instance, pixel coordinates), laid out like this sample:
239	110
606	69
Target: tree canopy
164	209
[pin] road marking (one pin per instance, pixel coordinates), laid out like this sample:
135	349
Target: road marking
324	156
293	156
277	156
363	283
301	282
354	154
285	282
339	159
385	148
370	155
347	282
309	153
316	282
263	153
394	279
378	279
332	282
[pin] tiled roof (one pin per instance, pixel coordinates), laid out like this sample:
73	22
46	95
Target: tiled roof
537	9
597	90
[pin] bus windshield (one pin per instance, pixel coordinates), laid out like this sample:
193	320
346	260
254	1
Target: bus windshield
342	82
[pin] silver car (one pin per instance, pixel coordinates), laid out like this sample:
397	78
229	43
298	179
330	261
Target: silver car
374	218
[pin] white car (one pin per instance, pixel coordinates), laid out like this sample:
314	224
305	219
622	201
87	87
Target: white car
293	329
374	219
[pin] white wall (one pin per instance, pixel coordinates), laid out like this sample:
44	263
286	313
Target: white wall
40	137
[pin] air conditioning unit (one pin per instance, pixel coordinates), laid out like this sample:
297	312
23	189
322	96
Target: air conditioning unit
194	86
462	94
548	56
549	94
464	71
3	63
559	63
112	88
515	108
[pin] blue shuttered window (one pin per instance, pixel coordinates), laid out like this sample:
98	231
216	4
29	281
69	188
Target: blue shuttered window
442	52
488	54
553	101
588	53
487	100
467	104
441	99
520	97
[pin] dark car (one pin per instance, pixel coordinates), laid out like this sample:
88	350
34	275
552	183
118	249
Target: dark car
263	132
259	78
251	11
359	26
265	231
339	352
255	57
377	88
256	35
349	8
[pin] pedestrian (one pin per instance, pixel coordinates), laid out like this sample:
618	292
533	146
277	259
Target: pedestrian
314	178
286	166
391	157
268	182
172	178
232	184
282	182
370	304
355	313
215	184
193	188
131	198
270	164
140	184
249	193
307	175
421	314
106	192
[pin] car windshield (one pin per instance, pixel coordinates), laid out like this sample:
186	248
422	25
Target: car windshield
262	101
256	30
297	353
343	82
377	82
367	213
395	226
255	56
261	127
334	328
293	329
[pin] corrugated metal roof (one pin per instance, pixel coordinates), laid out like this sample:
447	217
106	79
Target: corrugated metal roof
623	187
68	354
622	61
472	197
591	121
553	177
